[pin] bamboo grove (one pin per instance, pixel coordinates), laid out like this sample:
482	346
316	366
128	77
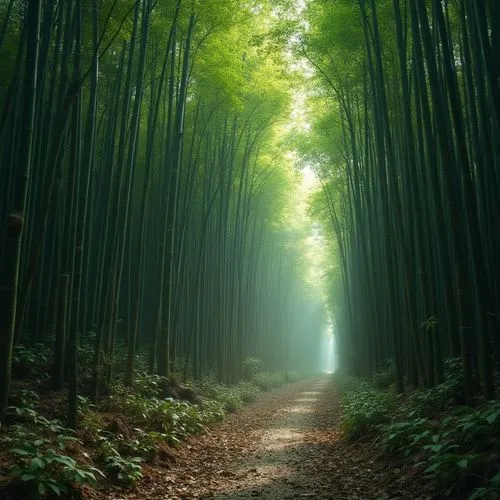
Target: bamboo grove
407	151
143	190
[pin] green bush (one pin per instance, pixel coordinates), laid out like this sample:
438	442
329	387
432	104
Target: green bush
37	458
251	367
147	385
248	392
31	361
405	437
45	470
269	380
346	382
454	446
231	397
490	491
123	470
443	396
385	377
212	411
364	409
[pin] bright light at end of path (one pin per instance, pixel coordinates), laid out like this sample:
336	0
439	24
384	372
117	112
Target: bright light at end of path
328	361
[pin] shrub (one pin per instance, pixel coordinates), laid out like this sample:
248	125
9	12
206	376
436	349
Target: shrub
248	392
123	470
30	361
251	367
44	470
148	385
405	437
35	459
385	377
455	446
212	411
269	380
364	409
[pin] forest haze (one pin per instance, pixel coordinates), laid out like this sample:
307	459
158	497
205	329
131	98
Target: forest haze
146	189
197	190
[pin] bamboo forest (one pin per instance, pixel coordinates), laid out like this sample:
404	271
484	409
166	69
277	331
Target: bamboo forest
249	248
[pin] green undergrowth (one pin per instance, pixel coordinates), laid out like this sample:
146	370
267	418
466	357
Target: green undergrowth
118	434
456	447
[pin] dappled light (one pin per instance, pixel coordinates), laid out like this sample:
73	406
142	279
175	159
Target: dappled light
305	400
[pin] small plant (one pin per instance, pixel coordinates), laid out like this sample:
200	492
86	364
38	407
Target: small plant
445	464
248	392
490	491
405	437
364	410
251	367
148	385
31	416
23	398
385	377
30	361
212	411
269	380
125	470
43	469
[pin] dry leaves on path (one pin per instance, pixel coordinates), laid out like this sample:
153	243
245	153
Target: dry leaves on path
285	445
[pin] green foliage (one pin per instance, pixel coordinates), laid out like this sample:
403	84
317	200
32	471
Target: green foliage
90	420
385	377
269	380
212	411
405	437
148	385
143	443
25	398
124	470
86	353
248	392
174	419
364	409
30	416
251	367
35	460
232	398
452	445
46	470
443	396
30	361
36	354
490	491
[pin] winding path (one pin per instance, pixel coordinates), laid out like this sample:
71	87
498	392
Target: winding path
285	445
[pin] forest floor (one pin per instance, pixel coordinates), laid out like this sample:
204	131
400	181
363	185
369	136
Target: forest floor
287	444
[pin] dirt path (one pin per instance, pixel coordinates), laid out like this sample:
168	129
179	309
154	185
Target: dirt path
285	445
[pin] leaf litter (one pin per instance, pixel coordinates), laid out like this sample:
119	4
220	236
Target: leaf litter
287	444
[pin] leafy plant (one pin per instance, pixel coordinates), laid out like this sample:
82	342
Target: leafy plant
405	437
386	376
43	469
212	411
126	470
251	367
269	380
490	491
31	416
148	385
247	391
364	409
445	464
30	361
